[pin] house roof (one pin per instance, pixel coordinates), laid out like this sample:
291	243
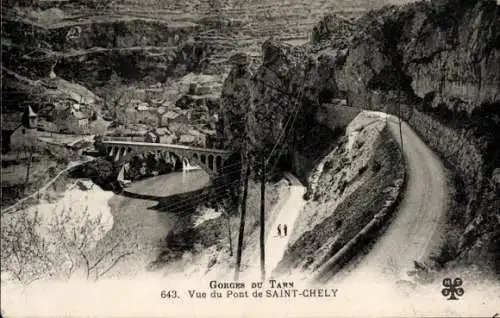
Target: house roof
171	114
194	132
142	106
187	139
79	115
163	131
167	104
70	112
152	134
11	121
161	110
31	113
73	91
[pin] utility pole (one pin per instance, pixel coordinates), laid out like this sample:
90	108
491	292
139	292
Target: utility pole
400	130
262	218
243	204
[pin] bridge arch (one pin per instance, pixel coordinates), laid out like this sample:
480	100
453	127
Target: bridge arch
210	160
218	163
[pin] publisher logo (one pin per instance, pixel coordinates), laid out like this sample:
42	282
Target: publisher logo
452	288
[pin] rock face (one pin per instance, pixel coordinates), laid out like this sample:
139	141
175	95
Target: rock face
449	57
285	91
438	63
89	52
238	106
441	63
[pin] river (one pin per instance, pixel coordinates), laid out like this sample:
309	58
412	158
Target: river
138	226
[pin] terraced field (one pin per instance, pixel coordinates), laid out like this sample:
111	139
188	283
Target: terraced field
289	20
228	26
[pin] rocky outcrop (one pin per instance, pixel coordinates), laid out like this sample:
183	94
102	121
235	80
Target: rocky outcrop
285	91
438	63
449	57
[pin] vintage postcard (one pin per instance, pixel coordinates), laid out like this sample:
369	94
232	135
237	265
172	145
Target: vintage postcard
230	158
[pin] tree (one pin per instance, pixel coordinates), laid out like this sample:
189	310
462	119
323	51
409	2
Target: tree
225	206
35	247
28	145
115	96
99	127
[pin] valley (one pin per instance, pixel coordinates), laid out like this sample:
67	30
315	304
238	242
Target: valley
372	123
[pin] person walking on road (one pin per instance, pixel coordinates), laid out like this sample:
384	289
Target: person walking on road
279	230
285	228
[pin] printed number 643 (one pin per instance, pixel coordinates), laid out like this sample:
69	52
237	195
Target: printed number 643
168	294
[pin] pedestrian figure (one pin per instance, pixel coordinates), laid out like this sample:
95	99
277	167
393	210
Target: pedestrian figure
285	228
279	230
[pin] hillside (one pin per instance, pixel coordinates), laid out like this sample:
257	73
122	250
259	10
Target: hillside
143	48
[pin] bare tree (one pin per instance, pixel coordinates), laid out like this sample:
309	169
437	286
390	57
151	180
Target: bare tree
115	97
225	208
34	248
29	146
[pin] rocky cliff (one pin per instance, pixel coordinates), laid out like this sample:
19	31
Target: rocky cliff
438	63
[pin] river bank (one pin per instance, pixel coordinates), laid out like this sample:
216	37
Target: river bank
140	223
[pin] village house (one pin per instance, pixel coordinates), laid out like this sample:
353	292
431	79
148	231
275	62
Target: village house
144	114
169	139
168	104
18	129
162	131
188	140
71	120
152	136
142	106
171	117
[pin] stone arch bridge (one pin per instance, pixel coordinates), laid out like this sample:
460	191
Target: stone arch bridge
210	160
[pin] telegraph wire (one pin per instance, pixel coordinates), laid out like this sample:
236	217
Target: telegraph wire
189	203
288	127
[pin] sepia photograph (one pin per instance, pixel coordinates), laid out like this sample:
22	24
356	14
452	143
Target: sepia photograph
250	158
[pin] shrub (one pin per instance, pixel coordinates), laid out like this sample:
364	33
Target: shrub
100	171
362	169
376	166
328	165
307	196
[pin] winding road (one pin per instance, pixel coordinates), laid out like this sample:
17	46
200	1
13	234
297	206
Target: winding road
414	230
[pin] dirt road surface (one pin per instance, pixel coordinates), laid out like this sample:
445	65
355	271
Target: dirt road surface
276	245
414	231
